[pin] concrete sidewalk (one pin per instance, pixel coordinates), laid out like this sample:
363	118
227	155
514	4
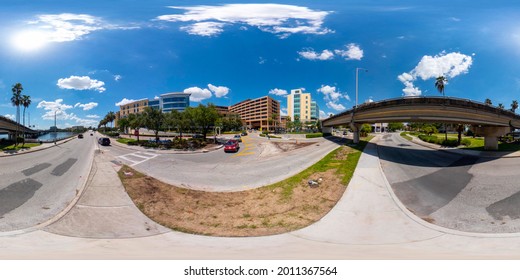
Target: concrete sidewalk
367	223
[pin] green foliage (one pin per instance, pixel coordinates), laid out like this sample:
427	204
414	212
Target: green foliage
395	126
450	142
405	136
112	134
314	135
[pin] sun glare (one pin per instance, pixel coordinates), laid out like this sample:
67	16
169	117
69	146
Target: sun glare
30	40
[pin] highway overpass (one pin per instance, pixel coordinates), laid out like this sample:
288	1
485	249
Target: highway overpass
10	126
487	120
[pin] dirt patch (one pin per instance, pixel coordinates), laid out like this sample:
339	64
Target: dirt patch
271	148
289	146
263	211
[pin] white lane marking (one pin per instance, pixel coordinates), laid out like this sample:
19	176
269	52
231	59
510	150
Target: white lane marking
137	155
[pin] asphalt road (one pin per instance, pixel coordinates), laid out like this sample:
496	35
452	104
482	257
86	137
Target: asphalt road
462	192
35	187
220	171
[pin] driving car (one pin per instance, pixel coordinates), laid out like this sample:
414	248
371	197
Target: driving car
231	146
237	137
104	141
243	133
80	135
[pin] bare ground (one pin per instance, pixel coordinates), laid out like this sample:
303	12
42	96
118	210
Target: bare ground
263	211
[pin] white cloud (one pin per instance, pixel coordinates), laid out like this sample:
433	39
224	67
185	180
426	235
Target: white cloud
323	115
67	27
310	54
81	83
279	92
58	109
117	77
198	94
125	101
333	97
86	107
204	28
10	116
335	106
444	64
352	52
93	116
279	19
219	91
283	111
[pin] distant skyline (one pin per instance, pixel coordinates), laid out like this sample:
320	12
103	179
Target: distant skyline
81	59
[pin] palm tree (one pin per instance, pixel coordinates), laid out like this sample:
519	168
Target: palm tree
514	106
440	82
16	100
488	102
25	102
111	116
501	106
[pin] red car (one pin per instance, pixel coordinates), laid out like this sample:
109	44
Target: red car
231	146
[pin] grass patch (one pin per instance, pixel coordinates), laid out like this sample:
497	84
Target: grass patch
406	136
126	140
285	206
19	147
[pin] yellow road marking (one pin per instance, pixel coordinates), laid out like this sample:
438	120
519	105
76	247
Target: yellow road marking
243	154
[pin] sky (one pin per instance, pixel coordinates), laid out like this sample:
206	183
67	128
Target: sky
79	60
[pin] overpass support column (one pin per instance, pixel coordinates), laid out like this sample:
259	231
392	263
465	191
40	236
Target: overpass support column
491	134
326	129
355	129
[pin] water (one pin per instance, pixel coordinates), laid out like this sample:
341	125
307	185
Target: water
54	135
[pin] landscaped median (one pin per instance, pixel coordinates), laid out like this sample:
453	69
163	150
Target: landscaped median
285	206
467	142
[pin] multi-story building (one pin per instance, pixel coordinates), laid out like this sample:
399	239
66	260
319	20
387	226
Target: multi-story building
174	101
135	107
261	113
300	106
166	102
315	111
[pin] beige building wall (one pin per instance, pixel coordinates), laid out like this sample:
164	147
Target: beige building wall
135	107
299	104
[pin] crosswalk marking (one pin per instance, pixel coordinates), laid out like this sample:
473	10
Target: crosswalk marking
131	158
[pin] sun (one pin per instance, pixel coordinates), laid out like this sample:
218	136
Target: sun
29	40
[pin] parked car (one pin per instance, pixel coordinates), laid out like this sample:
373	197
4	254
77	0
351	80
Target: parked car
243	133
231	146
104	141
237	137
80	135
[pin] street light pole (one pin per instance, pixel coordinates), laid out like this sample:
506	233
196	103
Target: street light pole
357	74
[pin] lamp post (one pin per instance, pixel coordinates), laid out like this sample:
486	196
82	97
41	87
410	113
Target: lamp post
357	74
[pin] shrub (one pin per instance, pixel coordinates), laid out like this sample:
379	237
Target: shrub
314	135
112	134
450	143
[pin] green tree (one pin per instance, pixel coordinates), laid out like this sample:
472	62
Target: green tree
154	119
514	106
123	124
488	102
501	106
110	117
25	102
365	130
16	100
395	126
135	122
203	117
440	83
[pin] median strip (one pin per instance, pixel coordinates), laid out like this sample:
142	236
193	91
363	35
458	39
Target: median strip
288	205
